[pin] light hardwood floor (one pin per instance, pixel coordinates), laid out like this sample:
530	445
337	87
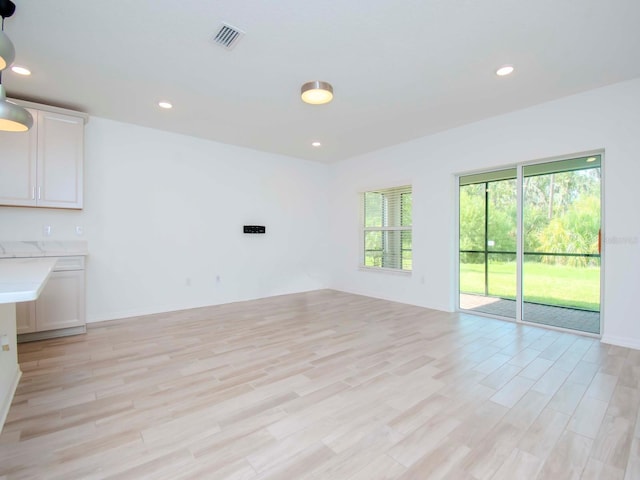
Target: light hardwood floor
323	385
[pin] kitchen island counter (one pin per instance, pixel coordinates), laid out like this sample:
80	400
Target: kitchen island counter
21	280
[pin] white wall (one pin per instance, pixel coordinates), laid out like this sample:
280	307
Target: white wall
607	118
162	210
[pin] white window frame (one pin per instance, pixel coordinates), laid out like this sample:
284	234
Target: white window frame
519	167
398	190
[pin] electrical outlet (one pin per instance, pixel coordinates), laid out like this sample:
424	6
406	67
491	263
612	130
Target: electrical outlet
47	230
5	343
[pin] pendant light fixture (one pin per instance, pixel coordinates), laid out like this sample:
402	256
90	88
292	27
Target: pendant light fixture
13	118
316	92
7	50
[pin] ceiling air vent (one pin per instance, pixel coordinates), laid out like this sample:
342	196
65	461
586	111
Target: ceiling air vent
227	36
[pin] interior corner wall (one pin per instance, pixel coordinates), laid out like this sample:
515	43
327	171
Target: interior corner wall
607	118
163	216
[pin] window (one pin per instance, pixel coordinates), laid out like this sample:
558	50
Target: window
386	228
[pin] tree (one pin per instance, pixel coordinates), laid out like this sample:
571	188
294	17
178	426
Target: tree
575	232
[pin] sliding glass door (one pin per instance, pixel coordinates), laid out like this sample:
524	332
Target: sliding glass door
561	233
559	236
488	222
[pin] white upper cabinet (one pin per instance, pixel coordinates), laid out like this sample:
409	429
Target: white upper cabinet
43	167
18	166
60	160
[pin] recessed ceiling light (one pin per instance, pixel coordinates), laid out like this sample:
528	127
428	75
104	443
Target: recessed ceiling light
591	159
20	70
316	144
165	105
505	70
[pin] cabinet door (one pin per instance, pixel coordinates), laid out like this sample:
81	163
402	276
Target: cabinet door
61	303
60	154
18	166
25	317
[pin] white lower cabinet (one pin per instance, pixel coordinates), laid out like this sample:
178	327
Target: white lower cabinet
25	317
60	308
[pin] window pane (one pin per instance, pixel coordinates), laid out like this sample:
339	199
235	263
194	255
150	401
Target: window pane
502	212
406	206
407	260
562	212
392	249
562	293
407	253
472	274
373	249
406	240
373	209
501	281
570	282
388	249
472	213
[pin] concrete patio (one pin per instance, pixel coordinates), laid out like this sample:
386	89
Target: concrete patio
571	318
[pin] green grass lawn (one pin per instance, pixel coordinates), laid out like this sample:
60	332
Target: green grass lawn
560	285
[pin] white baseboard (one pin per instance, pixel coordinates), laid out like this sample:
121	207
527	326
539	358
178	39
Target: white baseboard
364	293
168	308
621	341
6	402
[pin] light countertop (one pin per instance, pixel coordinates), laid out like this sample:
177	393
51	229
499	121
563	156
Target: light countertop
22	279
14	249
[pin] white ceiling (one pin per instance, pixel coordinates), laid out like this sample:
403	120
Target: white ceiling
400	69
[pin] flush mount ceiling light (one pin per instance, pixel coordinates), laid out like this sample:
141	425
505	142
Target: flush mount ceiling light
316	92
13	118
165	105
316	144
504	70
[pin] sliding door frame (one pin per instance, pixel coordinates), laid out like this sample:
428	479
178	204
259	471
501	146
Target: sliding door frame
520	239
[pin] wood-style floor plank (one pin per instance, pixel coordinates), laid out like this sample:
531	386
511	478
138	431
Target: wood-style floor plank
323	385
